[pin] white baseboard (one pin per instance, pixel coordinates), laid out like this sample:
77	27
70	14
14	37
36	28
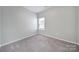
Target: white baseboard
17	40
34	35
59	38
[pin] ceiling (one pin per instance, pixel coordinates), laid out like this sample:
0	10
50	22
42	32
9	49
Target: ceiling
37	9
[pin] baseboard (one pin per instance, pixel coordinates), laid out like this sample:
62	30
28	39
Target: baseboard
59	38
17	40
34	35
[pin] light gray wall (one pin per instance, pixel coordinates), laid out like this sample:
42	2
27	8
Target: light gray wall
60	23
0	24
18	23
78	25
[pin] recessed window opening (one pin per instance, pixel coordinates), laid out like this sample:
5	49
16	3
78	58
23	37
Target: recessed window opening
42	23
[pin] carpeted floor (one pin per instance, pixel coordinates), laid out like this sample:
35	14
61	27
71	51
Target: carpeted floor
40	43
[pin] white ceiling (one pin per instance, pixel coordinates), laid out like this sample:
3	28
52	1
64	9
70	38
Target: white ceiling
37	9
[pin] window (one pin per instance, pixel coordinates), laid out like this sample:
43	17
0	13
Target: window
41	23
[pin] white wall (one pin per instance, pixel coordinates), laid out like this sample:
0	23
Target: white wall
18	23
60	23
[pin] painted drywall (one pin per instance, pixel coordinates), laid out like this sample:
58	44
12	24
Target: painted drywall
18	23
60	22
0	24
78	25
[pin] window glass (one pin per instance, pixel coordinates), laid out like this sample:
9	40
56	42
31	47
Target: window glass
41	23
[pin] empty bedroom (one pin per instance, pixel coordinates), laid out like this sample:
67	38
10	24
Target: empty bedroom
39	29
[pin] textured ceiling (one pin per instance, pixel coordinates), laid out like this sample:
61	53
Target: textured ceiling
36	9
